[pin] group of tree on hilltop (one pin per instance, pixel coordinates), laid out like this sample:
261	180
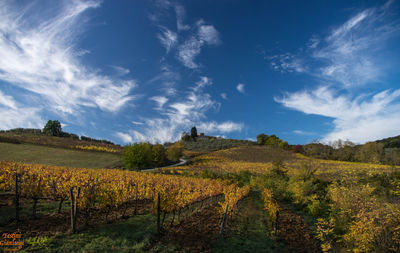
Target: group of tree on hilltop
271	141
54	128
145	155
192	137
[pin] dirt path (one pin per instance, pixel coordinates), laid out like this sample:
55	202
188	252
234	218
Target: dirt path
195	233
248	230
181	163
295	232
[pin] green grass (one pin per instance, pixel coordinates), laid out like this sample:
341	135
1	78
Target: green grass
248	232
136	234
43	207
38	154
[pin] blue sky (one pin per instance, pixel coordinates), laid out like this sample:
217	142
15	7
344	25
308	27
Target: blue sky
132	71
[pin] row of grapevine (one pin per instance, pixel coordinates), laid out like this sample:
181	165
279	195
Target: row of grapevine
106	188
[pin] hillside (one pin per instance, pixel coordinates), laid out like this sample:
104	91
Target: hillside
210	143
391	142
278	202
68	141
40	154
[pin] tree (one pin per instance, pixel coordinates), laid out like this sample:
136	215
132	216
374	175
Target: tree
298	149
273	141
185	136
261	139
371	152
137	156
158	154
175	151
53	128
193	132
284	145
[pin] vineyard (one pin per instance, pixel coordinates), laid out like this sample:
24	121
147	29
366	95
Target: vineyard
91	189
243	198
260	160
349	206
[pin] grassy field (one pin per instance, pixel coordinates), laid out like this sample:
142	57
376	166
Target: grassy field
38	154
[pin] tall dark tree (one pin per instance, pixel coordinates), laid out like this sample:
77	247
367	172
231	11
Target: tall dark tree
193	132
53	128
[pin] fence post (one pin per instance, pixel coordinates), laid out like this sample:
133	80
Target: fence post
71	191
158	214
74	207
16	198
136	200
223	219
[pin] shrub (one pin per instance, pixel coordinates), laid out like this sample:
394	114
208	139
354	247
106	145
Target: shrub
137	156
158	155
175	151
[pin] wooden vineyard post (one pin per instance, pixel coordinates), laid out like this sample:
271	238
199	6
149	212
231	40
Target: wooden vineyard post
136	200
276	227
16	198
35	200
74	207
158	214
223	219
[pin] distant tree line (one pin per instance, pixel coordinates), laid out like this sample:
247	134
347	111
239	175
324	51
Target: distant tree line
385	151
379	152
145	155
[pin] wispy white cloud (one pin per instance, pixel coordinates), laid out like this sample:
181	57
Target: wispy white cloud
224	96
37	53
313	42
167	38
208	33
7	101
137	123
13	115
224	127
160	100
360	119
188	51
27	117
191	48
351	54
180	17
120	70
179	116
240	87
188	40
126	138
168	78
179	113
203	82
301	132
287	63
349	57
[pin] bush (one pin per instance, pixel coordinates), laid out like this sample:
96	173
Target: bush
175	151
158	154
137	156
